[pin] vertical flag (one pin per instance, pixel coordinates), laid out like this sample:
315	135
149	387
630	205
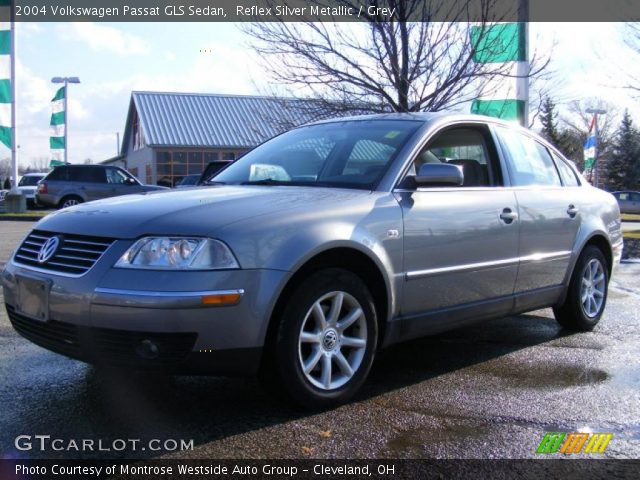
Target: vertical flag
57	138
6	122
505	95
590	146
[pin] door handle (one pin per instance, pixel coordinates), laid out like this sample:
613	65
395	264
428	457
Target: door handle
508	216
572	211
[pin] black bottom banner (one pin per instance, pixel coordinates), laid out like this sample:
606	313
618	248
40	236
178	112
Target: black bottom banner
318	469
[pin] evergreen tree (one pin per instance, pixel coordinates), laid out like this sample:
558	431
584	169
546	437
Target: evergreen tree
549	120
623	168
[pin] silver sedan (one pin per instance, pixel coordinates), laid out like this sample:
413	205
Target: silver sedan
318	248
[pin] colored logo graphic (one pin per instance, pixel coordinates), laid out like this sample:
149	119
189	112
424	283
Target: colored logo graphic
575	442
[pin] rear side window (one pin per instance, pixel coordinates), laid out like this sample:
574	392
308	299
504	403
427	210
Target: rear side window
529	161
567	174
59	173
88	174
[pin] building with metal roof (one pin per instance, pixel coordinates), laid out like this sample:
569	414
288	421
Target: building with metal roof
170	135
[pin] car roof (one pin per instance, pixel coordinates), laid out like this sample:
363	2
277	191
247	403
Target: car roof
85	166
425	117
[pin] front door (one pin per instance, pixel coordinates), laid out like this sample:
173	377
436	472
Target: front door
460	243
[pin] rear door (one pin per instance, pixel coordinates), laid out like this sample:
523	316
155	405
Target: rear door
460	242
91	181
549	211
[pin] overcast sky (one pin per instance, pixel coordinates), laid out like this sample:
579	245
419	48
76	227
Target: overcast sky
591	60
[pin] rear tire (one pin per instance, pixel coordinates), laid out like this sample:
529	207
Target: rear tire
70	201
325	342
587	294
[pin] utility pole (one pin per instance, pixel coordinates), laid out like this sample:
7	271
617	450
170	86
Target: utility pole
522	80
14	139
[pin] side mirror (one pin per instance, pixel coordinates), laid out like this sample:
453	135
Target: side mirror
130	181
439	174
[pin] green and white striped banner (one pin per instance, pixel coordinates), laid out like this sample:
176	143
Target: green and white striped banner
505	96
57	126
5	73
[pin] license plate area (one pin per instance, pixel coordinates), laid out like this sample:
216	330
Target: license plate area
33	297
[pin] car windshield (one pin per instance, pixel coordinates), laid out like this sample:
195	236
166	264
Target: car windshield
29	181
349	154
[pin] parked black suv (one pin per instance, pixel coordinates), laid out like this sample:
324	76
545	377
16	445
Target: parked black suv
69	185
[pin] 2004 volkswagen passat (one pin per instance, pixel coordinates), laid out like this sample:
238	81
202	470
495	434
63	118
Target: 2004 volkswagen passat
318	248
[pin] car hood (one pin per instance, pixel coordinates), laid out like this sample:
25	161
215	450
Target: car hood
193	211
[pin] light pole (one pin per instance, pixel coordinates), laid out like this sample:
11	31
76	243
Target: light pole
595	112
66	81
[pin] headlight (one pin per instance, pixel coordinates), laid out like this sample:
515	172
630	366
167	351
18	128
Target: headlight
169	253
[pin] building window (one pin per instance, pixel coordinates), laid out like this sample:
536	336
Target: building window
173	165
148	173
138	136
211	157
134	171
195	165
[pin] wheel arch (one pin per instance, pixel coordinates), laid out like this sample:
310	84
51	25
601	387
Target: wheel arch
598	239
348	258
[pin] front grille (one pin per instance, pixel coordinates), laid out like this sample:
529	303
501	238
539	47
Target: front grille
75	255
105	345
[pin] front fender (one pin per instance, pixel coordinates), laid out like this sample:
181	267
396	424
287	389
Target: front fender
286	242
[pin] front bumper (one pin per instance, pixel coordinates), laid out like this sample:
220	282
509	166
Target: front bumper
151	319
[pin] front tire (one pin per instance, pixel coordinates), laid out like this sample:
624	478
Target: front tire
587	295
326	340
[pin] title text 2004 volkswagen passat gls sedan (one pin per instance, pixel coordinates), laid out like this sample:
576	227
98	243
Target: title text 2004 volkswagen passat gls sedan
318	248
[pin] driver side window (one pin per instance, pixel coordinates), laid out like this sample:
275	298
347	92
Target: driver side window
116	176
465	147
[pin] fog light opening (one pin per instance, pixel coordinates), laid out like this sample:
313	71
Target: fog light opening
147	350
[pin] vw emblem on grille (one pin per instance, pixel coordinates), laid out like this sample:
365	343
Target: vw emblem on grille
48	249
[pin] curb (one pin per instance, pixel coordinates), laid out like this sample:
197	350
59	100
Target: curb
20	219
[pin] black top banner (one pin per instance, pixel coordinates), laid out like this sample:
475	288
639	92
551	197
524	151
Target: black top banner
324	10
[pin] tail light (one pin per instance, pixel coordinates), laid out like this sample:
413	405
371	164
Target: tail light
42	188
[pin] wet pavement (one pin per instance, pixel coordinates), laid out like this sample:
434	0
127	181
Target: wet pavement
486	391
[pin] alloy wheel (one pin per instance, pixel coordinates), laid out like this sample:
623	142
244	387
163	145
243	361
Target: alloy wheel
332	340
592	288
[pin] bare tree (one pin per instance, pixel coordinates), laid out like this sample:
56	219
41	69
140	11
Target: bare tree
39	164
632	39
404	63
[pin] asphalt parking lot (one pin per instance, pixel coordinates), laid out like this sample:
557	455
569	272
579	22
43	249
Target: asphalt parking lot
487	391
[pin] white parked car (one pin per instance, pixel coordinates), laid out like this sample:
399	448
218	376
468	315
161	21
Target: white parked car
28	185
